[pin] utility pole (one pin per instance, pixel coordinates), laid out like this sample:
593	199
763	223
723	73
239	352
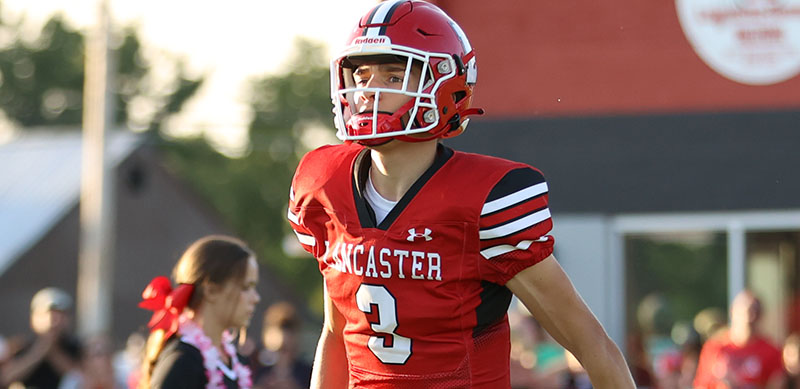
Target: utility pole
95	270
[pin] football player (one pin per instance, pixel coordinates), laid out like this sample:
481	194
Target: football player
421	246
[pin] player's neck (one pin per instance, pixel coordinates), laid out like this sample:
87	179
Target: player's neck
397	165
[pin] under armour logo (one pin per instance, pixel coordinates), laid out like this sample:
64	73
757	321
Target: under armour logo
413	235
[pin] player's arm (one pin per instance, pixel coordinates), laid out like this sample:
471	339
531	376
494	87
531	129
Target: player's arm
331	369
549	295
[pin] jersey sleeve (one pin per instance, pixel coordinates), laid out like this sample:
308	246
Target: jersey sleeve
304	235
514	225
319	176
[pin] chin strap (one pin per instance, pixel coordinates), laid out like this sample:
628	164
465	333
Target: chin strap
362	124
473	111
458	124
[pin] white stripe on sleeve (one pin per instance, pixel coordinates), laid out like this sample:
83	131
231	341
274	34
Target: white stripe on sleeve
494	251
514	198
516	226
292	217
307	240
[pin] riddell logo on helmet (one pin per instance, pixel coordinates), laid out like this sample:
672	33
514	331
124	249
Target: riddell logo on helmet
372	40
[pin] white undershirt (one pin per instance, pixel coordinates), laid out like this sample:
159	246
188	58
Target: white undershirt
379	204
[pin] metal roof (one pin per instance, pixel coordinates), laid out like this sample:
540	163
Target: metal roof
40	180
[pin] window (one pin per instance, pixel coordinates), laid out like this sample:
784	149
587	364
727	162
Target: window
773	273
670	278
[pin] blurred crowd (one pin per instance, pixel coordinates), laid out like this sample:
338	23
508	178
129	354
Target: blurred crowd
52	356
715	351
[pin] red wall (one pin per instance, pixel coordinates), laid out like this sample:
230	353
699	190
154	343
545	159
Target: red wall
568	57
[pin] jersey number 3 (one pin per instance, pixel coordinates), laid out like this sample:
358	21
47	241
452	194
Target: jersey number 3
390	348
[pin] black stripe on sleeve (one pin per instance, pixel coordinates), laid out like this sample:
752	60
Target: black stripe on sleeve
514	181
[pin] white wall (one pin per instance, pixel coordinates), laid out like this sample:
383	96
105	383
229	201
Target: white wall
583	247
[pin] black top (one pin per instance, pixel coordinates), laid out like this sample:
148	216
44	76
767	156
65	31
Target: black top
180	366
44	375
263	361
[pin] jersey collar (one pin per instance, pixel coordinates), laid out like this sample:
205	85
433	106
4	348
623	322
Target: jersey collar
361	167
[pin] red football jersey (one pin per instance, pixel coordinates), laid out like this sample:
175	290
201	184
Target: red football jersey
723	365
423	292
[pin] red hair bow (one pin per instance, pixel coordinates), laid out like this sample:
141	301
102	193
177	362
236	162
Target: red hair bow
166	304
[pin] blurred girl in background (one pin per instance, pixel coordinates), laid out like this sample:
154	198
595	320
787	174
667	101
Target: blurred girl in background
191	345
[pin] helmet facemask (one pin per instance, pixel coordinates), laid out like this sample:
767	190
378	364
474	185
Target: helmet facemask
419	115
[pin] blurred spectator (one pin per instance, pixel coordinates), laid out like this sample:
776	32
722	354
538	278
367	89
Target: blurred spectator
708	321
675	369
536	359
740	357
575	376
128	361
277	363
5	350
668	370
690	357
53	352
654	323
523	356
791	360
96	370
5	353
639	361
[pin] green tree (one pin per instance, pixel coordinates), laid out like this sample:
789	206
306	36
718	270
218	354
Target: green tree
41	84
41	81
251	192
687	277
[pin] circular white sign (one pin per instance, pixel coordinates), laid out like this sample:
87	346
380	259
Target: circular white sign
754	42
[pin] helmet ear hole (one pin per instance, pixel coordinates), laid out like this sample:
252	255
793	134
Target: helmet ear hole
458	96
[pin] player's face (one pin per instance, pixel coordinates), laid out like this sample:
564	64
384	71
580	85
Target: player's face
385	75
243	296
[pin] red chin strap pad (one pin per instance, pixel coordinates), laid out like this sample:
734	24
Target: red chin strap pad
361	124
